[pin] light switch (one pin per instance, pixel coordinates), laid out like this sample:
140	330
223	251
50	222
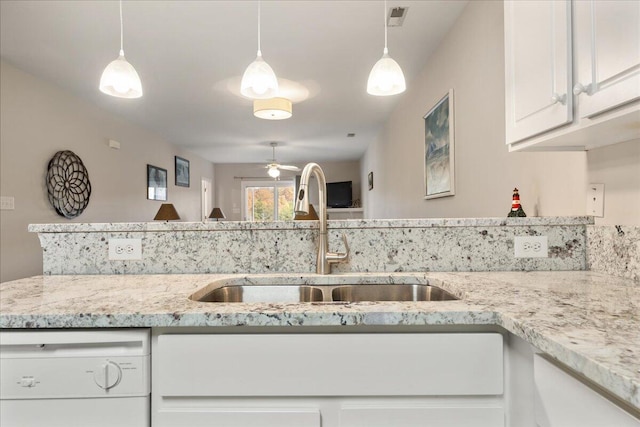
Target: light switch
595	200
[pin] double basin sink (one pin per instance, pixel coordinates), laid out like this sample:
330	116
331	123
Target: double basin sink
285	293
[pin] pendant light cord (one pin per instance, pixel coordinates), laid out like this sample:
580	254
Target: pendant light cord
259	53
121	32
384	18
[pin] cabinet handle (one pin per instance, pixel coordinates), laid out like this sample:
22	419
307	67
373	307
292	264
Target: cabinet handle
580	88
556	98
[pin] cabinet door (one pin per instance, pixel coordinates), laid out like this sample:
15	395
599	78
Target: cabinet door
238	417
421	416
538	67
607	44
563	401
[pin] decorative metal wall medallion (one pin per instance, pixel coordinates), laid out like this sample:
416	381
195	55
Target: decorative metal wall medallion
68	184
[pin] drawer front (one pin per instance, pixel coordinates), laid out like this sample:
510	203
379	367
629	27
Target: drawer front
329	365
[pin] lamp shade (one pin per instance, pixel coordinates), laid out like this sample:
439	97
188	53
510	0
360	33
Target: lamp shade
312	215
273	171
259	81
272	109
386	77
120	79
166	213
217	214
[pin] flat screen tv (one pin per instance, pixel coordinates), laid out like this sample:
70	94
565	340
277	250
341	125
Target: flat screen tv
339	194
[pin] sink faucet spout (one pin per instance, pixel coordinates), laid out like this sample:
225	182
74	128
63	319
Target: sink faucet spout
324	258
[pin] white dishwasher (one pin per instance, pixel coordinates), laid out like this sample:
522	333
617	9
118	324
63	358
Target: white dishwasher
74	378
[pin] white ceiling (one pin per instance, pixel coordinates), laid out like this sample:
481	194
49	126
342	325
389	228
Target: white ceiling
190	53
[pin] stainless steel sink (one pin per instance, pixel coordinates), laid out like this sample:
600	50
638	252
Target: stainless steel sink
398	292
263	294
282	293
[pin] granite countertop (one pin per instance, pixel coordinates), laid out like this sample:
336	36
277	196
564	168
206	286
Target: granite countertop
159	226
587	321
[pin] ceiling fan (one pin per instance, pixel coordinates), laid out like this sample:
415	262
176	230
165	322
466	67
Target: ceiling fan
273	168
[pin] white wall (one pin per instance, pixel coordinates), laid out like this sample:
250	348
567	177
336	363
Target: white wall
471	61
228	186
618	168
39	119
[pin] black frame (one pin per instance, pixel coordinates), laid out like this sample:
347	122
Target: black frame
183	165
370	181
156	179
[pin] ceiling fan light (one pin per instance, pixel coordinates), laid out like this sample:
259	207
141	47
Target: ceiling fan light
386	77
259	81
272	109
273	172
120	79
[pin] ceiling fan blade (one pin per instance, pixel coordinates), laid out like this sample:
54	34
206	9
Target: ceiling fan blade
289	168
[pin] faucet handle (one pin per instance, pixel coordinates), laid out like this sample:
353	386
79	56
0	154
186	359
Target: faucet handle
340	257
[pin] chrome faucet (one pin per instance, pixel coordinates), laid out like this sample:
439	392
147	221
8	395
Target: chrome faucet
324	258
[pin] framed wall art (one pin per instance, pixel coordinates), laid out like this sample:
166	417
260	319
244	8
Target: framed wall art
182	172
156	183
439	173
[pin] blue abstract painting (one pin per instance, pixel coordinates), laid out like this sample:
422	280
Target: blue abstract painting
438	143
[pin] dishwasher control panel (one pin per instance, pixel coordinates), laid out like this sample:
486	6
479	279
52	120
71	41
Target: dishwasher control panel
68	366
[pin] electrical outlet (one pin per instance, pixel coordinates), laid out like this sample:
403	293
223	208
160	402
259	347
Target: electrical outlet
7	203
125	249
531	247
595	200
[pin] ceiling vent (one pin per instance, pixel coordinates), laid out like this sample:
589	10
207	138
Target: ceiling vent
396	16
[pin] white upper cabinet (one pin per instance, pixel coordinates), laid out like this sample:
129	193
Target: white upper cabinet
607	54
572	73
538	67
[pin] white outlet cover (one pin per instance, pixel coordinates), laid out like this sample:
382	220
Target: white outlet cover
531	247
595	200
125	249
7	203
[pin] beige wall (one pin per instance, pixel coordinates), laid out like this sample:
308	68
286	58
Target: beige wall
471	61
228	184
618	168
39	119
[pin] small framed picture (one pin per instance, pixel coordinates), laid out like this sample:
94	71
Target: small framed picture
370	181
182	172
156	183
439	149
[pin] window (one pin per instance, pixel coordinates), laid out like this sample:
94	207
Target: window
268	200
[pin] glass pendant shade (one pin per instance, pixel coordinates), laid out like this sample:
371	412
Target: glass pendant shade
386	77
273	172
120	79
259	81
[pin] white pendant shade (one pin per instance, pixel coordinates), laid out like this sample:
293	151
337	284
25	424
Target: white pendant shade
386	77
259	81
272	109
273	172
120	79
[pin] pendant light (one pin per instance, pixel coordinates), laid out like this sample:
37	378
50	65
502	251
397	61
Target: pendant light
259	81
386	77
120	79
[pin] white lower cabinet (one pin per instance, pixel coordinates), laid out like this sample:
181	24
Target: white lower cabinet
563	401
329	380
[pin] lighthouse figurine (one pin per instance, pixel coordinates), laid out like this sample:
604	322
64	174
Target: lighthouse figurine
516	208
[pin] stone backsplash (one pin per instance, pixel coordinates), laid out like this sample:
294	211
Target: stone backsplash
483	244
614	250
